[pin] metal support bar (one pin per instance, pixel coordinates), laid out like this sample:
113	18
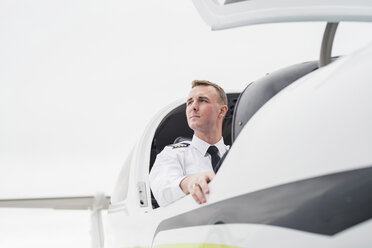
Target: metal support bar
326	49
96	221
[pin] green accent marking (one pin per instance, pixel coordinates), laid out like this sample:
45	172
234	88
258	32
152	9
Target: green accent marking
189	245
195	245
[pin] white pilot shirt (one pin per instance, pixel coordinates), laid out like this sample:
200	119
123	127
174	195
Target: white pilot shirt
176	162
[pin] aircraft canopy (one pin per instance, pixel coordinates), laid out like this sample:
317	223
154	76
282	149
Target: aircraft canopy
224	14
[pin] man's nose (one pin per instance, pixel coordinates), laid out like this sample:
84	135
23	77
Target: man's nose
195	106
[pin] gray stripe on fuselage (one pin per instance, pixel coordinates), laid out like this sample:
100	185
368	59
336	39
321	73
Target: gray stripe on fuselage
325	205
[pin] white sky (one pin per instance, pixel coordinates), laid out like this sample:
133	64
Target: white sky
80	79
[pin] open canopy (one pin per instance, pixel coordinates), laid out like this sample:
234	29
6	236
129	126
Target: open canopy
234	13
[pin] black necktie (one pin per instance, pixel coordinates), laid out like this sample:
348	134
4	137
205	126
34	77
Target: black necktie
213	151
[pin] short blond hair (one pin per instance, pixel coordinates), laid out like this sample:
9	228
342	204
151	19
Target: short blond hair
220	91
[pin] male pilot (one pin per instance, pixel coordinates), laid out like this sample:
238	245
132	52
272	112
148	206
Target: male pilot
187	167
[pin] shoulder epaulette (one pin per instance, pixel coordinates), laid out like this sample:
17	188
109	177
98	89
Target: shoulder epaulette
179	145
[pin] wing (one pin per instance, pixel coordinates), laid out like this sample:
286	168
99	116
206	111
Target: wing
67	203
95	203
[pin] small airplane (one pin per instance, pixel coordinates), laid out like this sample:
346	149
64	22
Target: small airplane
299	171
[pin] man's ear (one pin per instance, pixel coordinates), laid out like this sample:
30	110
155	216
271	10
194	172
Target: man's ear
223	110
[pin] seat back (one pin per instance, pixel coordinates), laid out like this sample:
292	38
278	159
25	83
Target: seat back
257	93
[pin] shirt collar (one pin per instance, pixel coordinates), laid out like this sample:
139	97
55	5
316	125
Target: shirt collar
203	146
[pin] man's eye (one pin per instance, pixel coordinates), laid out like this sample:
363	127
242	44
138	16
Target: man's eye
188	103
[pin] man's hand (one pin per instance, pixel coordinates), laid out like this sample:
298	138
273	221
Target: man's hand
197	185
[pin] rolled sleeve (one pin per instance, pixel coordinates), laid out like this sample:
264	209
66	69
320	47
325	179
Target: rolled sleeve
165	177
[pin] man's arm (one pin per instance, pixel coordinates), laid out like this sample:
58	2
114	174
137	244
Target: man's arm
165	177
197	185
169	183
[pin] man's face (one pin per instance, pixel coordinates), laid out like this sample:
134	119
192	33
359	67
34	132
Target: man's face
203	109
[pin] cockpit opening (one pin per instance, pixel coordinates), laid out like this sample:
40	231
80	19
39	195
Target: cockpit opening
174	126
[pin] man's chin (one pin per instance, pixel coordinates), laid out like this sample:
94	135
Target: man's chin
194	126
